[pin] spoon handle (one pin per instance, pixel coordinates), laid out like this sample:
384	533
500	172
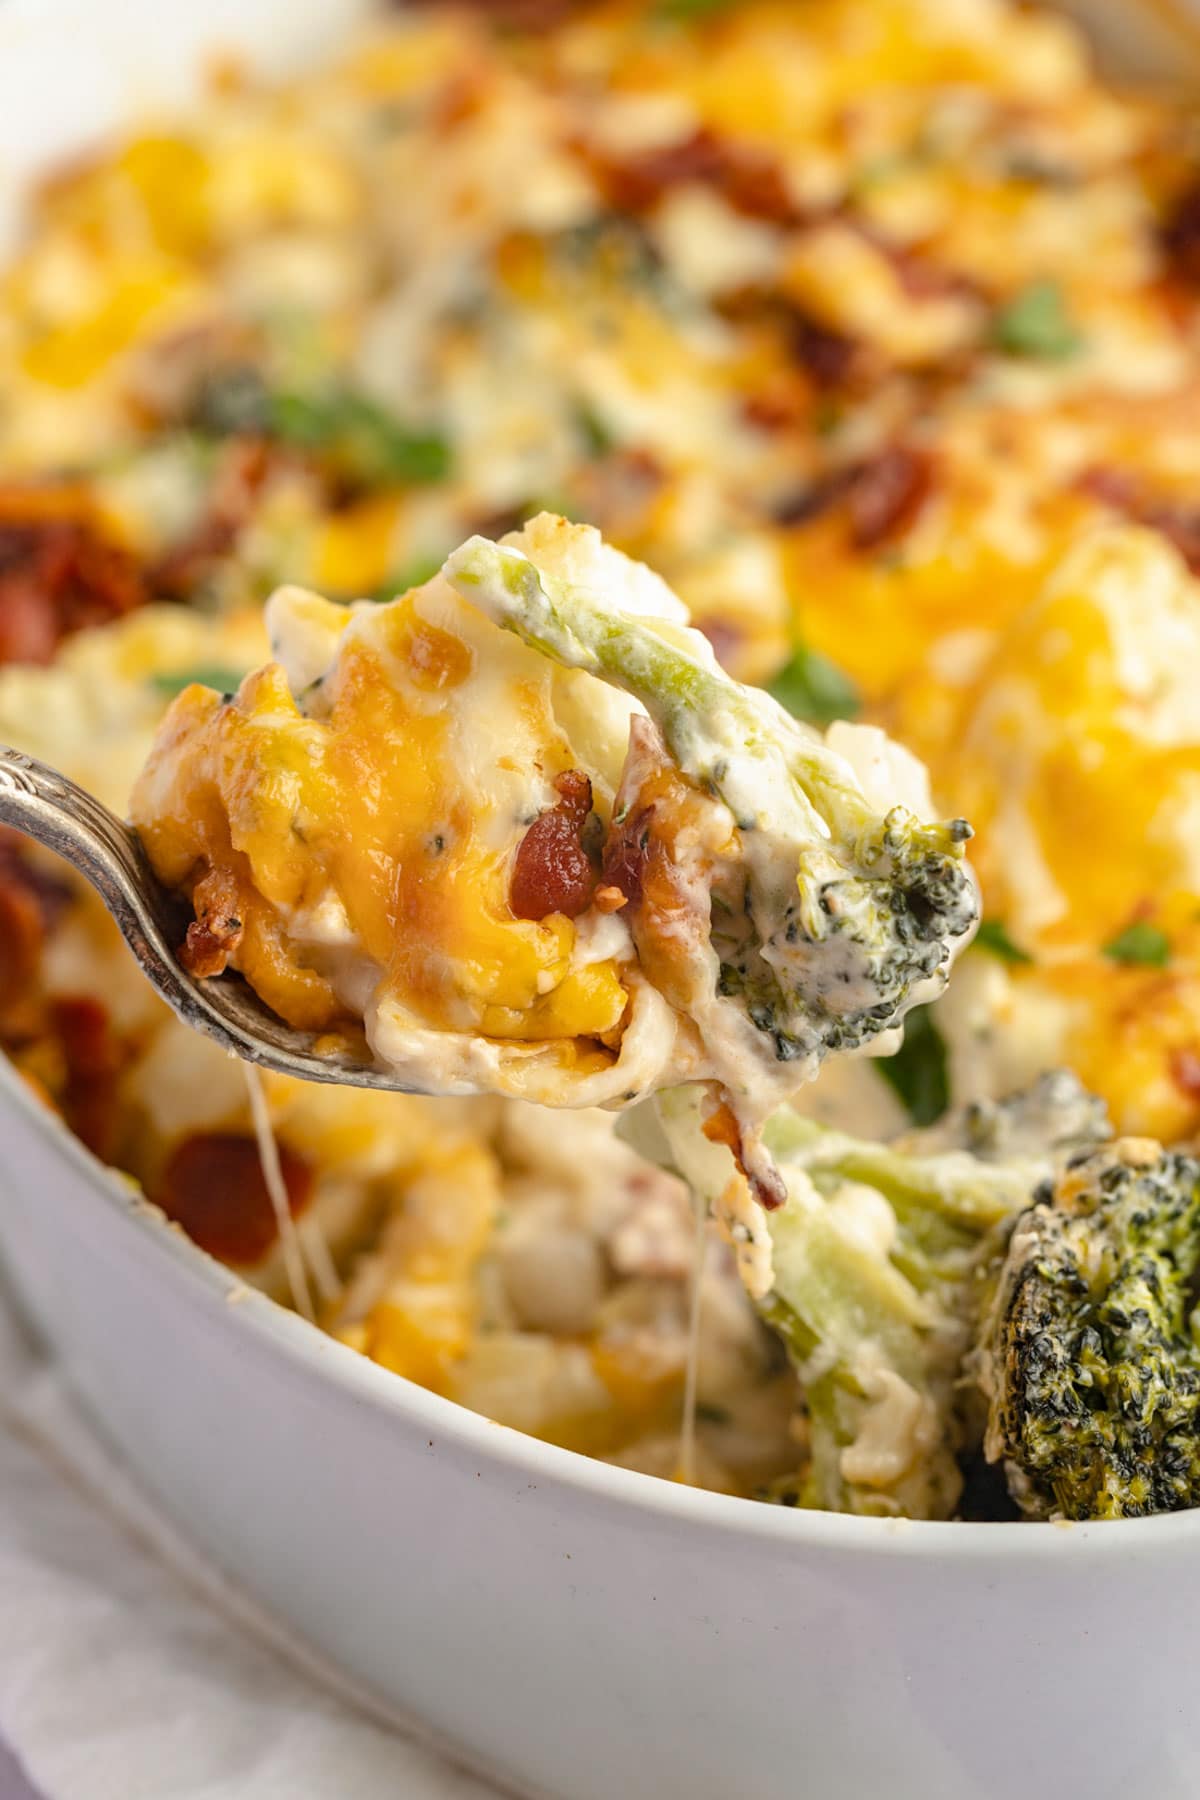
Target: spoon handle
65	818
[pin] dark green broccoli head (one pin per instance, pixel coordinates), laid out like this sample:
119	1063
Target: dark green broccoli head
1089	1355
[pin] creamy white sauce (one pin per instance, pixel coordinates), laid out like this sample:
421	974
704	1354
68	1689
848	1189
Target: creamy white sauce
898	1427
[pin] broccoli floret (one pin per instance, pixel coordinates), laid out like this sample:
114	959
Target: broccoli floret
1055	1116
1090	1353
847	915
881	1257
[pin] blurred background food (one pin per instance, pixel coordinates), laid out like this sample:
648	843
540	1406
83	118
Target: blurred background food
874	328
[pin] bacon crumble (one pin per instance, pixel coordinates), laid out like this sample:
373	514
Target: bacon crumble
214	1187
216	931
1180	234
881	496
751	181
1177	520
58	575
30	902
553	873
721	1127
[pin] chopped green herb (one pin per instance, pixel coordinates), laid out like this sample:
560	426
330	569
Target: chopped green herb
368	442
1035	322
379	447
993	937
684	10
307	420
815	689
173	681
917	1072
1142	943
594	430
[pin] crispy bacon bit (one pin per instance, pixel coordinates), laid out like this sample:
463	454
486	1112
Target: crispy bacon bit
552	872
30	901
1180	235
58	574
887	493
22	930
213	1186
720	1127
754	184
829	357
882	496
1178	521
750	180
631	845
93	1061
652	806
216	931
918	274
1111	487
1180	525
811	502
1185	1072
205	952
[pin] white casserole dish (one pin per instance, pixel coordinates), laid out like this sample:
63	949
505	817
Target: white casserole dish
578	1630
581	1630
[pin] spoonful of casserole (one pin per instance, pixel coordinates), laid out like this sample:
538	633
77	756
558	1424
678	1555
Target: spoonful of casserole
516	831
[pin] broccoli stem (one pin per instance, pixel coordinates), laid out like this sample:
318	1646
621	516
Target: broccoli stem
952	1184
735	741
878	1257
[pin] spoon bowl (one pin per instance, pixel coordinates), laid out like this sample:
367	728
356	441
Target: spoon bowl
63	817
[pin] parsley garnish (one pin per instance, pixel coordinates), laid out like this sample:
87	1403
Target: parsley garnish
684	10
993	937
368	442
594	431
917	1072
210	675
813	688
1035	322
362	438
1142	943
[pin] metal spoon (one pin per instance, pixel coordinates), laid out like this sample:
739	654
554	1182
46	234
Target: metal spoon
68	820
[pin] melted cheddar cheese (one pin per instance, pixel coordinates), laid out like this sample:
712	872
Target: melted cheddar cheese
358	806
865	324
